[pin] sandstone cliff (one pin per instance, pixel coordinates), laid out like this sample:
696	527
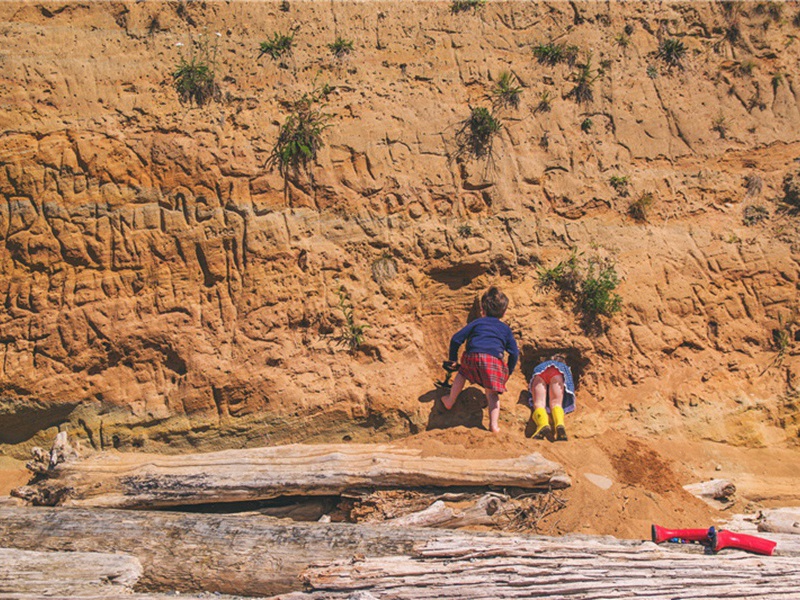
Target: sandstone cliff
164	288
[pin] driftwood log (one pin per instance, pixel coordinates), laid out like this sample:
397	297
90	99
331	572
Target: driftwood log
718	493
25	573
116	480
497	568
780	520
243	555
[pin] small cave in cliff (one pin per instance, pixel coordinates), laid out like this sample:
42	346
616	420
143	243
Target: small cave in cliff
530	357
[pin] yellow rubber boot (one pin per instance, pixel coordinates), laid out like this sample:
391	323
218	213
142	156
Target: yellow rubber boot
558	422
542	422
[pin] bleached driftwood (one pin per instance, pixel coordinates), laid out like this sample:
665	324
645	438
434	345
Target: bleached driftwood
438	514
242	555
26	573
780	520
500	568
716	492
117	480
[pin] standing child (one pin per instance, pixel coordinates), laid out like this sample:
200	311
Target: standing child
482	363
552	380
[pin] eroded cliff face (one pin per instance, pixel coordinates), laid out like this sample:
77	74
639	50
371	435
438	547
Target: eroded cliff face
164	288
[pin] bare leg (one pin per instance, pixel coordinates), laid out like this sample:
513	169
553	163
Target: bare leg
494	411
539	415
458	385
556	391
556	400
539	392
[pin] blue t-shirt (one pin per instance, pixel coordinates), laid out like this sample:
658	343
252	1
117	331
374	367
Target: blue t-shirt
487	335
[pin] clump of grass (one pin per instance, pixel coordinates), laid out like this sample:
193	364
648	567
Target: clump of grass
586	125
195	76
623	40
720	125
584	81
507	90
639	209
352	334
478	131
300	135
341	47
545	101
652	71
564	276
278	46
791	188
777	80
672	51
458	6
746	67
620	184
465	230
753	215
553	54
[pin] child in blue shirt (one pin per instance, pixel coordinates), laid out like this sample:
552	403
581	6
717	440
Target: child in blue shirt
487	338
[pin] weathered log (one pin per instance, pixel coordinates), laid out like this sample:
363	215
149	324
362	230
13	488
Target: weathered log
39	574
500	568
242	555
780	520
203	552
716	492
116	480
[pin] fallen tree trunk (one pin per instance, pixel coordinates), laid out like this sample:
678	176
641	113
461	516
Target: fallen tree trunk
514	568
25	573
244	555
115	480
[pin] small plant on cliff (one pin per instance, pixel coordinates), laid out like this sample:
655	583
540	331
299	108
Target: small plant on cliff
791	189
620	183
639	209
477	132
545	100
584	80
341	47
597	295
300	136
278	46
352	334
720	125
588	284
458	6
586	125
672	51
564	276
754	214
194	78
506	91
623	40
553	54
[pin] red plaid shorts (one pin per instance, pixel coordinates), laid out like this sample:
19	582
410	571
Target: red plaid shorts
485	370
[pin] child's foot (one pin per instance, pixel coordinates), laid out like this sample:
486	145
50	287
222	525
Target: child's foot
542	432
561	433
494	428
446	402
